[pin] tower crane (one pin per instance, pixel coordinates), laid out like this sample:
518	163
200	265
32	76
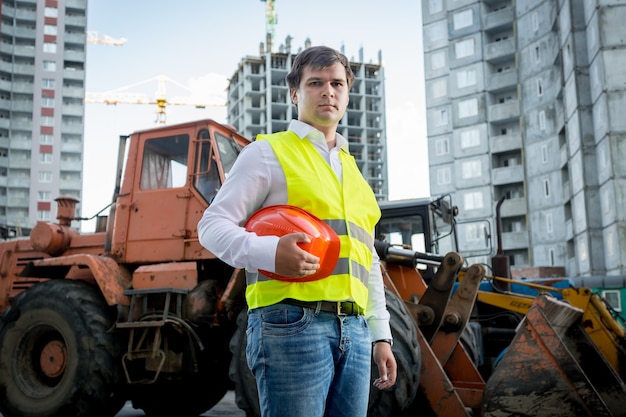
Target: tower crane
94	37
122	96
270	23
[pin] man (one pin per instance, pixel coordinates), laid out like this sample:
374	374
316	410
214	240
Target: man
307	359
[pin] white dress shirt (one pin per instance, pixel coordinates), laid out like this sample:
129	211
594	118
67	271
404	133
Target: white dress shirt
257	180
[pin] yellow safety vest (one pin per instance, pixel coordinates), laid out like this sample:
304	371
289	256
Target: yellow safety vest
348	206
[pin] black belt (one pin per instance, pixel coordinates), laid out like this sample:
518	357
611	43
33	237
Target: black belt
341	308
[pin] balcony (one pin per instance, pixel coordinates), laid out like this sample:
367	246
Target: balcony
78	38
514	240
19	163
71	184
72	55
500	81
500	51
24	69
507	175
25	88
80	21
513	207
72	110
21	106
73	74
76	128
505	143
498	19
504	112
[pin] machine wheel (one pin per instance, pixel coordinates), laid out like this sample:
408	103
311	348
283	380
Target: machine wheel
395	401
392	402
57	355
203	381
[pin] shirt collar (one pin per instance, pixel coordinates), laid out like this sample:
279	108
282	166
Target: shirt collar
304	130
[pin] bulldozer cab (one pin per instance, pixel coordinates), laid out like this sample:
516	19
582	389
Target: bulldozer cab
423	224
172	174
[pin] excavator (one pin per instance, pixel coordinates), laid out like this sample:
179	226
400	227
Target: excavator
542	347
139	311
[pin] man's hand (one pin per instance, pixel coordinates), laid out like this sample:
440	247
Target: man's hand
387	367
292	260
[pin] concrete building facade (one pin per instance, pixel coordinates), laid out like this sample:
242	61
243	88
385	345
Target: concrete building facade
42	78
259	102
525	101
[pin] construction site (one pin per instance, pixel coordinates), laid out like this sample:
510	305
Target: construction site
505	300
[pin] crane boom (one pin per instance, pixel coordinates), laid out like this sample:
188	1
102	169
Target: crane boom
122	96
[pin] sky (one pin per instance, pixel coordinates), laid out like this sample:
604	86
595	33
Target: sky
198	45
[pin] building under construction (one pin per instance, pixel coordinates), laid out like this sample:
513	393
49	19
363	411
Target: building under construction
259	102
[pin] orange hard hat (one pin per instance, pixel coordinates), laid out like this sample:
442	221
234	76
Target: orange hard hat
281	220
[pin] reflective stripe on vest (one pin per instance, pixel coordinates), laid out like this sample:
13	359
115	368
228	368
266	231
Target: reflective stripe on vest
348	206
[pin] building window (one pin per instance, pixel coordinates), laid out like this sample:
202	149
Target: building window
44	195
464	48
51	12
438	60
437	31
535	21
468	108
49	66
552	256
471	169
610	243
542	120
441	117
49	30
48	83
473	232
473	200
45	176
539	87
45	158
43	215
549	225
46	139
443	176
47	102
50	47
466	78
537	54
546	187
463	19
470	138
614	298
439	88
442	146
544	153
47	121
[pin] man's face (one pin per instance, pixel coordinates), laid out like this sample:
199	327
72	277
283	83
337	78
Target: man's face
322	96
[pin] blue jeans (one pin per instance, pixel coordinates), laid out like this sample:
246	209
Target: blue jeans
308	363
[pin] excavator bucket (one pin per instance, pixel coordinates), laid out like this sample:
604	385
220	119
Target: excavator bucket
553	369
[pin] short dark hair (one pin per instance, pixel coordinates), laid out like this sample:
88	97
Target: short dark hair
317	57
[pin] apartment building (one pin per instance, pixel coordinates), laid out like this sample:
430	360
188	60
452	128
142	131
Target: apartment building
525	101
42	78
259	102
